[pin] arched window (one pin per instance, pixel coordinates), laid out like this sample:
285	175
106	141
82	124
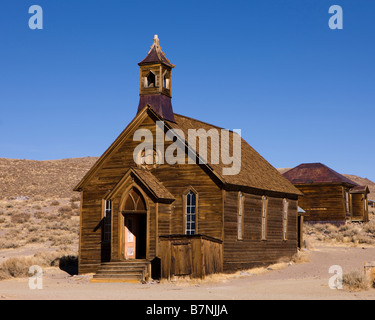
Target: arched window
135	202
190	213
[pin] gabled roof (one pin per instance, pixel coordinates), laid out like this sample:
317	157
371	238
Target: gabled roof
156	55
315	173
147	181
256	172
360	189
113	147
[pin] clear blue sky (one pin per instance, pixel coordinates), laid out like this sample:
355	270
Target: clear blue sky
299	91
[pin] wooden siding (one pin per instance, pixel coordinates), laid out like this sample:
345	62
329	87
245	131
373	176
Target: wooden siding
323	203
163	219
252	250
194	255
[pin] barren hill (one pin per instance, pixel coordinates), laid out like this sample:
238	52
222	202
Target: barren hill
52	178
57	178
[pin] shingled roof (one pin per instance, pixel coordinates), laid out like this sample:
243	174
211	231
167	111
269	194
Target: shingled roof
314	173
255	172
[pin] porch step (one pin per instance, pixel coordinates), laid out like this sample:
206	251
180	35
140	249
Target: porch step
134	271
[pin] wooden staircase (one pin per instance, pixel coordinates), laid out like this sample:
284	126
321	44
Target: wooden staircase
133	271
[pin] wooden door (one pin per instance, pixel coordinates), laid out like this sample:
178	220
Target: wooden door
181	259
130	237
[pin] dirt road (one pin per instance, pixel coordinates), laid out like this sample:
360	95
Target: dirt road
300	281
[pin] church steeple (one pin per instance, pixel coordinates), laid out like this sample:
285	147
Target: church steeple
156	82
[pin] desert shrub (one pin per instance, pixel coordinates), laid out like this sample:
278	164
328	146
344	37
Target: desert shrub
33	228
54	203
64	210
360	238
343	228
75	199
356	280
51	217
37	207
370	227
319	227
339	237
20	218
19	267
2	220
300	257
74	205
14	267
351	232
75	213
61	240
38	198
9	244
33	239
330	228
39	215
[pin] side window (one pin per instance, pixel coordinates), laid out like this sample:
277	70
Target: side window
264	217
240	217
190	213
285	220
107	221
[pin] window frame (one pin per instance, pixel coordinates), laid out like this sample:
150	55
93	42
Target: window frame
285	218
240	217
264	217
185	213
107	220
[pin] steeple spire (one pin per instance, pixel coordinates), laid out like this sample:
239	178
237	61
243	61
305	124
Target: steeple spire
156	82
156	55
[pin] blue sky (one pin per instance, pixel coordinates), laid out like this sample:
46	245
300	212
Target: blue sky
299	91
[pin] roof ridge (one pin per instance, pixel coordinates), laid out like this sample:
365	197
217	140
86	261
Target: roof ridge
313	176
206	123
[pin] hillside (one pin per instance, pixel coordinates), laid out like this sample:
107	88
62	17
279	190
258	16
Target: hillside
52	178
57	178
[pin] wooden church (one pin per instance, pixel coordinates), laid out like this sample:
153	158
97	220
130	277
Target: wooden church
153	219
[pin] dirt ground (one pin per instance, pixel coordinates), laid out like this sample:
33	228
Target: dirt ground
308	280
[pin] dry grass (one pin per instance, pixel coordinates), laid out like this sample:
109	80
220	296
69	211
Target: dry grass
352	234
299	257
356	281
19	266
40	221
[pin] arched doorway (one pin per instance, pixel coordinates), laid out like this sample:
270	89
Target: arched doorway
135	225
